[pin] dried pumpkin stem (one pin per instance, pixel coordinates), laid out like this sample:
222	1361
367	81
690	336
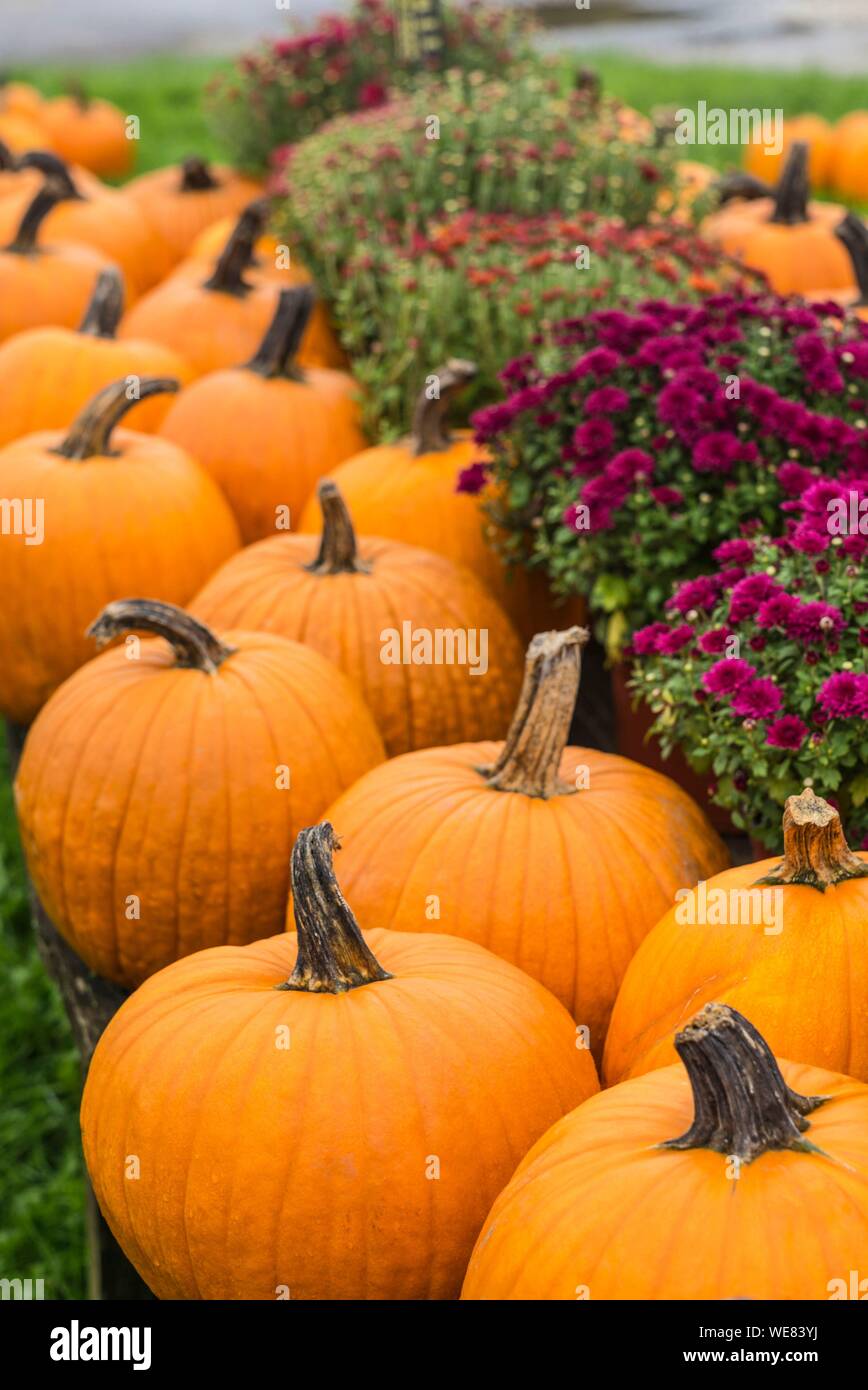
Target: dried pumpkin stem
816	852
338	551
430	434
793	190
333	956
24	243
742	1105
275	356
196	176
91	431
738	184
53	167
103	313
237	254
7	158
853	232
531	755
195	645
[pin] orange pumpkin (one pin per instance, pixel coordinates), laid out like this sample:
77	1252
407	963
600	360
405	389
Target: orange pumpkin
559	859
773	939
48	374
89	131
376	608
212	754
267	252
849	161
101	513
729	1177
390	1085
788	237
181	201
853	235
26	173
812	130
21	99
21	132
45	283
267	431
407	491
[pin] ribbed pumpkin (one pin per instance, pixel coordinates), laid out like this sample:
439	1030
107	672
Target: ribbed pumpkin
849	159
322	1116
121	512
267	431
728	1178
559	859
89	131
375	608
48	374
789	237
782	941
815	132
170	830
406	491
181	201
45	282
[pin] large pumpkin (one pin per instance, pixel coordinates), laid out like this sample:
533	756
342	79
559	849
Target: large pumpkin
435	657
181	201
45	283
789	237
48	374
103	513
849	158
407	491
815	132
784	942
729	1178
160	788
89	131
559	859
321	1116
269	429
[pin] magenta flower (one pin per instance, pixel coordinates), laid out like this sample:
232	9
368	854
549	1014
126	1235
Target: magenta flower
714	641
748	594
727	676
646	640
844	696
473	478
676	640
757	699
812	622
694	593
717	453
736	552
775	611
595	436
787	732
606	400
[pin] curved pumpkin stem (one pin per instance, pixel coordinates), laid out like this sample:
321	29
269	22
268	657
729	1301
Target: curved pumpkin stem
92	430
333	956
338	551
53	167
738	184
793	190
103	313
429	432
742	1105
237	254
816	852
195	645
24	243
196	176
853	232
275	356
531	756
7	159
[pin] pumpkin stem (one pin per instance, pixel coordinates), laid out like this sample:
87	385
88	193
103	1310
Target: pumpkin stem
53	167
737	184
338	552
7	158
816	853
275	356
195	645
237	254
742	1107
103	313
854	234
429	432
530	759
91	431
196	176
333	956
24	243
793	190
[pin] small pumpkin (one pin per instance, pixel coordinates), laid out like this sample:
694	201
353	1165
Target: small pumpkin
557	858
389	1084
815	131
48	374
211	755
267	431
22	99
773	939
103	513
375	608
849	160
181	201
789	237
89	131
407	491
26	173
45	283
20	132
728	1177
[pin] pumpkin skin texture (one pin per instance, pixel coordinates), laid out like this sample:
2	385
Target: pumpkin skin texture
406	491
453	1056
177	801
181	201
562	883
789	981
816	133
92	133
48	374
849	160
853	235
20	132
607	1206
267	431
342	598
122	512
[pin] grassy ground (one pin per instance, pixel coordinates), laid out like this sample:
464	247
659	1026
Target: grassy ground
41	1183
